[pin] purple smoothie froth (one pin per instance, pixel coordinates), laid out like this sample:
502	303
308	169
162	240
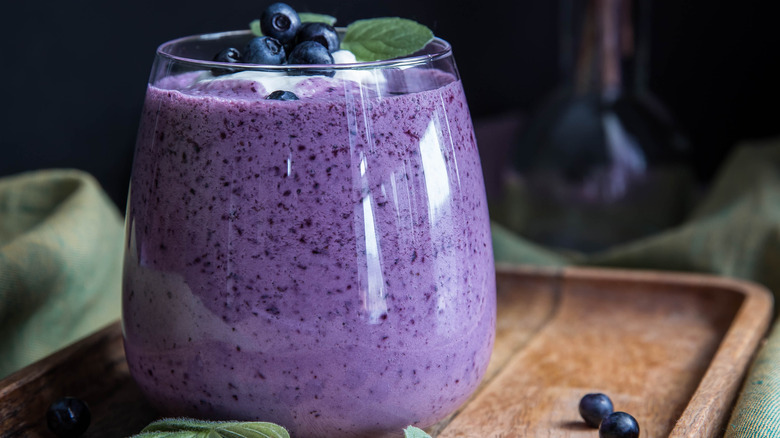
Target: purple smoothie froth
324	264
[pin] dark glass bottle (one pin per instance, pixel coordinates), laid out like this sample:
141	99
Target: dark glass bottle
601	162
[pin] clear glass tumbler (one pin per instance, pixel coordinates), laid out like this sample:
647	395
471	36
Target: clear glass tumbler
323	263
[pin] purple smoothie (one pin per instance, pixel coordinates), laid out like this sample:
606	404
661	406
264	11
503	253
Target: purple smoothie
324	264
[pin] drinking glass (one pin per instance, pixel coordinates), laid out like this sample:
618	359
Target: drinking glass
322	263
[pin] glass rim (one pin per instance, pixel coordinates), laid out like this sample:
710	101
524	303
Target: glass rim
164	51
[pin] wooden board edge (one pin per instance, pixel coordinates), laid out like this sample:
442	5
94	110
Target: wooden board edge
713	398
720	385
46	365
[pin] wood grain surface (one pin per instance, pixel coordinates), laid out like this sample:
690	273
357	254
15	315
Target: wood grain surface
670	349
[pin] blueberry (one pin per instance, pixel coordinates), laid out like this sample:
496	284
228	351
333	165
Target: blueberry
310	52
264	50
322	33
280	21
282	95
231	55
68	417
594	407
619	425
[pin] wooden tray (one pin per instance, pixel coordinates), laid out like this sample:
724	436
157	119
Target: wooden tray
671	349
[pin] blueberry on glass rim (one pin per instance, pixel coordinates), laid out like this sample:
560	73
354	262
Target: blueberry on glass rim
594	407
283	39
264	50
322	33
282	95
310	52
619	425
231	55
280	21
68	417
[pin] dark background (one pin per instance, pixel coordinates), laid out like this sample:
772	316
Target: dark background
74	73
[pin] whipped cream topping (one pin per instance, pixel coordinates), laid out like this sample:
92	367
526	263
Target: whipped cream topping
273	80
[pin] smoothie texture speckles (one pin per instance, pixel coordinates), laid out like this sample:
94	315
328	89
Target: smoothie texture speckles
311	249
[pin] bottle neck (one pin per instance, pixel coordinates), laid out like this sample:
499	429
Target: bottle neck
601	48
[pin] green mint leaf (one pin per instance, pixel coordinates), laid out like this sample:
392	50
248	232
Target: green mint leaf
189	428
254	26
306	17
415	432
309	17
385	38
252	430
184	434
179	424
178	434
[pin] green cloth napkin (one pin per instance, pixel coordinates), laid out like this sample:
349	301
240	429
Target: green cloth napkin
757	412
60	263
734	231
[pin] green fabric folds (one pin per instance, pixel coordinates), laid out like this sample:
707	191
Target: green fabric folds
757	412
60	263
